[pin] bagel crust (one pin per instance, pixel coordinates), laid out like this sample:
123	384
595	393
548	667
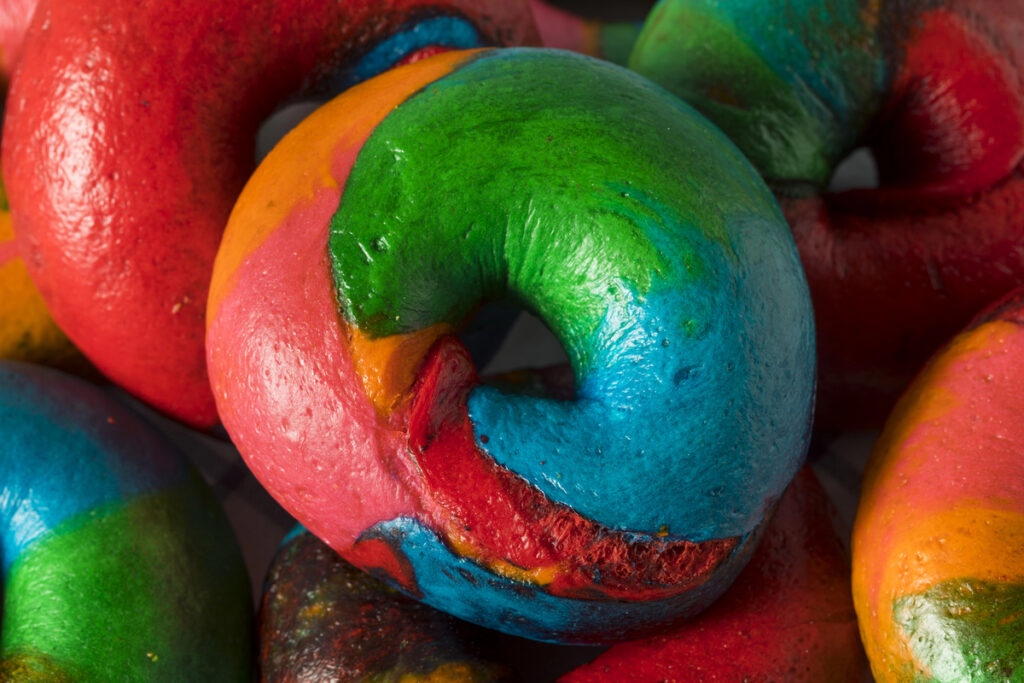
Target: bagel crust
938	543
377	228
935	88
118	562
130	131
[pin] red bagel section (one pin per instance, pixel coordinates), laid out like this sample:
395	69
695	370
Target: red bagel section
130	131
935	88
955	119
789	616
515	528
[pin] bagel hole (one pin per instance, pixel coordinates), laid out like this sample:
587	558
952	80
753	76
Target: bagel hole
517	353
277	125
858	171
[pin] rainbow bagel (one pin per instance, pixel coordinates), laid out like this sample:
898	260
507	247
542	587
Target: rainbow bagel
323	620
938	543
118	562
132	132
936	88
788	617
664	268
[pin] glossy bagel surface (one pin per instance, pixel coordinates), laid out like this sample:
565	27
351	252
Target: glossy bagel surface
377	227
130	132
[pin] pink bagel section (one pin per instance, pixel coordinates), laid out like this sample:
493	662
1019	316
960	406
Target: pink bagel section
129	135
314	363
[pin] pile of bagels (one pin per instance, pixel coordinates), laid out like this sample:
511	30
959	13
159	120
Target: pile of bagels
664	194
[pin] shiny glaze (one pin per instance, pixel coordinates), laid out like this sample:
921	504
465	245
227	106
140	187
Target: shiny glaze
323	620
788	617
27	330
682	308
118	563
130	134
936	88
938	544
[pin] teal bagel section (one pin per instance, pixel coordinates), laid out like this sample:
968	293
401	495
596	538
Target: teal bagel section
646	242
792	82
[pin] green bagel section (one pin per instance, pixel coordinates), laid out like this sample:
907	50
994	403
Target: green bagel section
103	597
965	630
536	217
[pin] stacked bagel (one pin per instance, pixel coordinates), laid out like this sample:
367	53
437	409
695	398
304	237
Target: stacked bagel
621	496
684	313
936	90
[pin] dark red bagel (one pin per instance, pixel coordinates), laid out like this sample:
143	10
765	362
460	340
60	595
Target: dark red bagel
321	619
935	88
130	133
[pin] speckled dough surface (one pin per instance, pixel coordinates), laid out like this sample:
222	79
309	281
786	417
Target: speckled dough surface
662	264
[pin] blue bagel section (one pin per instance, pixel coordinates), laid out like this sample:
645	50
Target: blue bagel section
451	32
68	448
463	588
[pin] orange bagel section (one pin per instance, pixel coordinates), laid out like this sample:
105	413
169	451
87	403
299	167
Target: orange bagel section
27	331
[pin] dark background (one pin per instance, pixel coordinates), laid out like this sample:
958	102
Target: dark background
607	10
